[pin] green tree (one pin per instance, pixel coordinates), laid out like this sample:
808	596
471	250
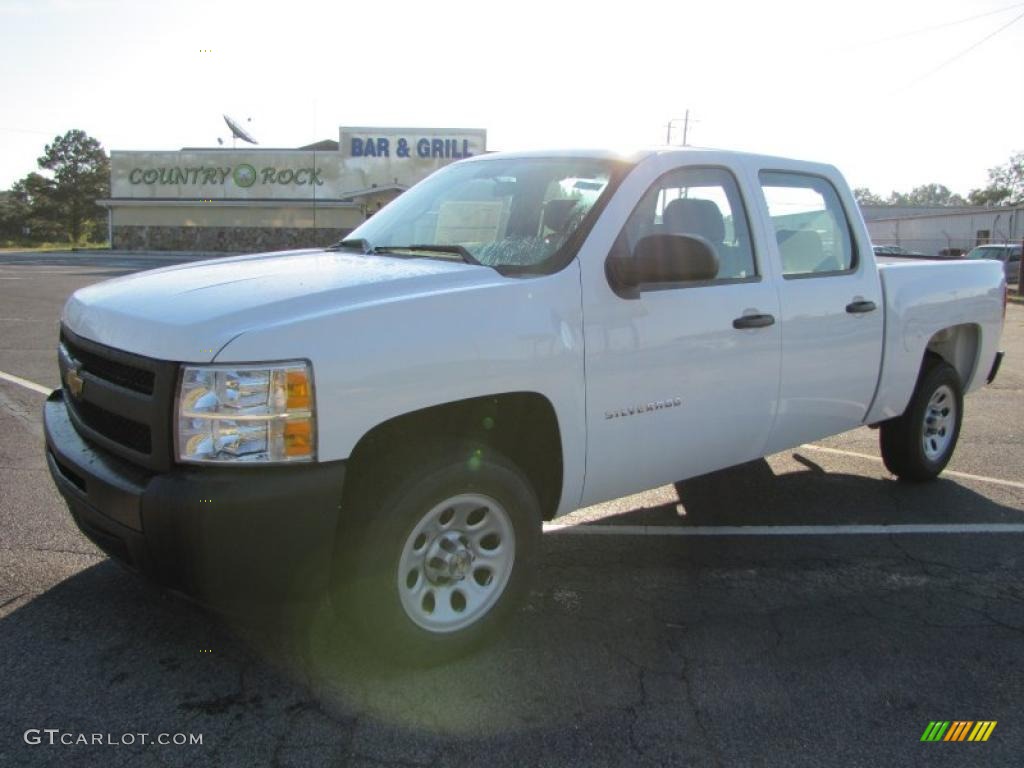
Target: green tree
865	196
927	194
988	196
30	210
1005	184
81	175
9	224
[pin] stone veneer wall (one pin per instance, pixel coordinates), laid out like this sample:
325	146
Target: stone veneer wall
227	239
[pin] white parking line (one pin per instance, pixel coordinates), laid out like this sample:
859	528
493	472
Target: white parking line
25	383
946	473
41	271
780	530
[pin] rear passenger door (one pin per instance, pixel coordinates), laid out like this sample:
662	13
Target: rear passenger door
831	309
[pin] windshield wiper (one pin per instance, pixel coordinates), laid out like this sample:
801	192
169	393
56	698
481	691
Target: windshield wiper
457	250
364	247
359	244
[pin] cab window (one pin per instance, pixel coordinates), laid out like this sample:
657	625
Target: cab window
697	201
810	225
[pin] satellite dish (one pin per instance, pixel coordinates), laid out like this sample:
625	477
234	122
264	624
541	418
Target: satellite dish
238	132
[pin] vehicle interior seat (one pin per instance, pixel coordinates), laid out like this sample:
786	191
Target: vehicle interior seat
801	251
694	216
557	214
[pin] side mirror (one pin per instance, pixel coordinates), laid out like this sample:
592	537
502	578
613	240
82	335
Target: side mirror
664	259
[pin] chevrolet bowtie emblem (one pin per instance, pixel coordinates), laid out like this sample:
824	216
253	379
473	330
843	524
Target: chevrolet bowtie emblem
74	381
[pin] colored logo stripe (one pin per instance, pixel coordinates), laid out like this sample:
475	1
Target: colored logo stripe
982	730
958	730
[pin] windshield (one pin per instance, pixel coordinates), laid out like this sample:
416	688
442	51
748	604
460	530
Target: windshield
511	214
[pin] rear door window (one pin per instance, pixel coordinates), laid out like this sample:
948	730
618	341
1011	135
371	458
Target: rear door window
810	224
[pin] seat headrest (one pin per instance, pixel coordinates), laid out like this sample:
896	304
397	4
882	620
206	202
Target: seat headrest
801	250
696	217
557	212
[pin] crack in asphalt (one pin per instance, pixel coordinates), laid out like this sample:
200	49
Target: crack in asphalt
60	551
56	550
384	762
27	417
292	714
5	603
920	561
691	700
635	709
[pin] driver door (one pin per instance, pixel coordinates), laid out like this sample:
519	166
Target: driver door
682	378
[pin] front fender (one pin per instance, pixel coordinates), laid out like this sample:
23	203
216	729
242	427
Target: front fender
374	362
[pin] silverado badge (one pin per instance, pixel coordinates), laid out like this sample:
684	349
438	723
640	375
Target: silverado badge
672	402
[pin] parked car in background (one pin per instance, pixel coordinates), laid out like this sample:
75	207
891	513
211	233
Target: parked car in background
895	250
1007	253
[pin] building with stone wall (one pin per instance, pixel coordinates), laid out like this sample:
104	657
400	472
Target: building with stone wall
255	199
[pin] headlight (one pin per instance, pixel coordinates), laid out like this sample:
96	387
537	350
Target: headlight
246	413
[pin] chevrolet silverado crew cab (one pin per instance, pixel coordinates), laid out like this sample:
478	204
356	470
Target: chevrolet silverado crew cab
391	419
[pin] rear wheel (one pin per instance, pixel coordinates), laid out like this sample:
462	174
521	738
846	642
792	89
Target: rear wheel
918	445
438	561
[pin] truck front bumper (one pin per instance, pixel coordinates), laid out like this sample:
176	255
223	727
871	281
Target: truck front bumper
226	537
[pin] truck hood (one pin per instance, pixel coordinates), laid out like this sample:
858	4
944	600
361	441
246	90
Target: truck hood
188	312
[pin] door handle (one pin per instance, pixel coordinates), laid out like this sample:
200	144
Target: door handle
858	307
753	321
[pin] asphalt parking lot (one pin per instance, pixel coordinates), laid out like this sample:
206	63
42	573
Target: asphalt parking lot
664	637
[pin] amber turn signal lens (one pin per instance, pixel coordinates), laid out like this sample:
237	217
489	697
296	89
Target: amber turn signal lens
298	438
298	390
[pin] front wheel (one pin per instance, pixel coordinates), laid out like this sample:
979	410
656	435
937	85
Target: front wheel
440	560
918	445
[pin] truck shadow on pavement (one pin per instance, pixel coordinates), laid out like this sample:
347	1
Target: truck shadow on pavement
752	494
630	649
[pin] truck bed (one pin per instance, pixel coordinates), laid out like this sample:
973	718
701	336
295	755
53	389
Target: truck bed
922	297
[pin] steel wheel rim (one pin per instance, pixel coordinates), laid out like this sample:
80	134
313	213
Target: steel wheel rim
939	423
456	563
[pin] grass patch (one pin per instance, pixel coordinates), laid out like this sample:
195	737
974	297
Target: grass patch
9	246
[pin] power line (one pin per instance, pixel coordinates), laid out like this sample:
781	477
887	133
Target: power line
962	53
944	25
24	130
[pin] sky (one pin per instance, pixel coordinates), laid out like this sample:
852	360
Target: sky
896	93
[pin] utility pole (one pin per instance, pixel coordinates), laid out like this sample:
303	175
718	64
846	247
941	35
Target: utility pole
1020	268
686	128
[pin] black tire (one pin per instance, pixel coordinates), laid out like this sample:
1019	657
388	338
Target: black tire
903	440
378	527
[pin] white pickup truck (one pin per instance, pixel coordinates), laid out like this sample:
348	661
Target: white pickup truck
391	419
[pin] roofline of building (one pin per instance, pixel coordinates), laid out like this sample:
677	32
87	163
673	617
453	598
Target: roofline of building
981	210
263	202
214	149
357	129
